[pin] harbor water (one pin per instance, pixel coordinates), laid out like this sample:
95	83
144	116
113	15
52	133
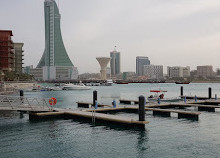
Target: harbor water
162	137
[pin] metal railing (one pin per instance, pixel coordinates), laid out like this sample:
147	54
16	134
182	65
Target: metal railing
18	102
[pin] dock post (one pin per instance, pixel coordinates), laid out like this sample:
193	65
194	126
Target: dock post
181	91
210	92
216	98
141	110
21	95
94	97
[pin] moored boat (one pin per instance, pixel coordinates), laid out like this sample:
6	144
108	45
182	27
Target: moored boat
79	86
159	95
108	83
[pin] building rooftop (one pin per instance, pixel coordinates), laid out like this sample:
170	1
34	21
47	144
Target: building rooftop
10	31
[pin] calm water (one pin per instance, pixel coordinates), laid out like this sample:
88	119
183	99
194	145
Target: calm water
162	137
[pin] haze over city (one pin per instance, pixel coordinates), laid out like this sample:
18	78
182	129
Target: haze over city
170	33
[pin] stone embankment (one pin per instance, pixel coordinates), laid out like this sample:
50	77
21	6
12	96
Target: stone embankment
13	87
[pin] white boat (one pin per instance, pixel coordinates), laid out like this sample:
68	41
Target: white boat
108	83
79	86
161	97
56	88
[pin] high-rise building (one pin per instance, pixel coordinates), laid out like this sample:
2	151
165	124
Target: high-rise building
55	58
140	62
153	71
205	71
178	71
6	51
18	57
115	62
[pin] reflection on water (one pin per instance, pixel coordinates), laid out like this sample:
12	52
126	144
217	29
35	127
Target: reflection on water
142	143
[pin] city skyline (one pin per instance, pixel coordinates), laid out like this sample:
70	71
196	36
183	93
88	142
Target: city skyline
171	33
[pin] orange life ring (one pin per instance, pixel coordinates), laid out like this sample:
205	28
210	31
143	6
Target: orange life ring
52	101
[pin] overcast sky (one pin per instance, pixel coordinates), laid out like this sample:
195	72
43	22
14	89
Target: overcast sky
169	32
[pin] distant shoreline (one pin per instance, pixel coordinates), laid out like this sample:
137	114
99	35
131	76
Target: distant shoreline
205	82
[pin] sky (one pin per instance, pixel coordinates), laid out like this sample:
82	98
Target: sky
169	32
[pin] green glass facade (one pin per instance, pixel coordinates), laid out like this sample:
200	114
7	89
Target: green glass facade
115	62
55	53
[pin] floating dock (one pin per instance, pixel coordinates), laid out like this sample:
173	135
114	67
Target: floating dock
88	105
127	101
85	115
156	111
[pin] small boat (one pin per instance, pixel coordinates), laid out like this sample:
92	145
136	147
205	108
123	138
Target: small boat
79	86
108	83
56	88
159	94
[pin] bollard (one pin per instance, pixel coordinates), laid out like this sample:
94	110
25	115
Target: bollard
158	100
216	98
195	98
185	99
141	110
210	92
96	105
94	97
114	103
21	93
181	91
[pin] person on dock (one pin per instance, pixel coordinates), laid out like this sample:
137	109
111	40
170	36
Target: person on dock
161	96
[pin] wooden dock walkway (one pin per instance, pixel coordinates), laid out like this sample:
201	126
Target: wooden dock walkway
209	108
128	101
156	111
100	117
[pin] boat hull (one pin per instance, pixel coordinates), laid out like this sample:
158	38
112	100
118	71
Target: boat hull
164	100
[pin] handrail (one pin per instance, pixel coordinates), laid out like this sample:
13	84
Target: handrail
16	102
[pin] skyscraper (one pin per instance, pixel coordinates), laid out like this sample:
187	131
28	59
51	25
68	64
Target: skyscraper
115	63
55	56
140	62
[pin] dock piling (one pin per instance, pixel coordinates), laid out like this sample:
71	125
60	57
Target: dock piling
210	92
141	110
94	97
181	91
21	93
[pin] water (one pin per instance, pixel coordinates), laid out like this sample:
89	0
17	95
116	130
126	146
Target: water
162	137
